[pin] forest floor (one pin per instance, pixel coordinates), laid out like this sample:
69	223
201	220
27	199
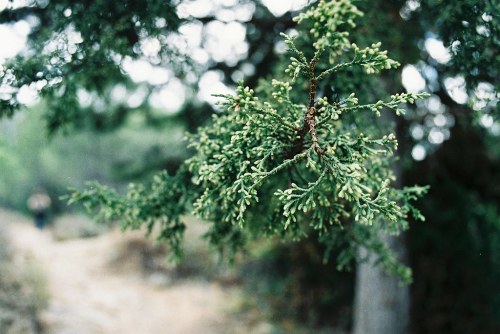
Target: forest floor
87	295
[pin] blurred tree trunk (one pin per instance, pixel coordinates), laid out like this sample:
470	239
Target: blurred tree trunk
381	304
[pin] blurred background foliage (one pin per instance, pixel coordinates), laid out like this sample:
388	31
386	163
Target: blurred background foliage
122	130
29	159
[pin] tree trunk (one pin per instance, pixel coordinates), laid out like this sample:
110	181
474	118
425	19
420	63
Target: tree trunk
381	304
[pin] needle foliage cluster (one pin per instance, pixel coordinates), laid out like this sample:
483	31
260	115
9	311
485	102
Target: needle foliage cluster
286	160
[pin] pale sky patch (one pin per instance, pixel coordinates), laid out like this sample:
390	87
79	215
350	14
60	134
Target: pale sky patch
195	8
169	98
280	7
211	83
13	41
437	50
137	97
455	86
150	47
417	131
418	152
3	4
118	93
486	120
141	70
412	79
436	136
226	41
27	95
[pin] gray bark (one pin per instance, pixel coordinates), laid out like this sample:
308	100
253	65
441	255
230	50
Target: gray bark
381	304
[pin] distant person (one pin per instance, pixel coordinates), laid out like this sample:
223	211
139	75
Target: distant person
39	204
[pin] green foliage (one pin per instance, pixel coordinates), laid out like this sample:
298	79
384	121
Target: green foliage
76	46
330	22
471	29
29	160
162	204
286	163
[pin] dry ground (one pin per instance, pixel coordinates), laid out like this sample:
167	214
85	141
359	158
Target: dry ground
88	297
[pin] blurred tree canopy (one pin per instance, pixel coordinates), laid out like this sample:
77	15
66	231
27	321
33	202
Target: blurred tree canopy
77	47
77	59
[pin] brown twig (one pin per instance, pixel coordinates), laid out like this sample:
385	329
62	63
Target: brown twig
309	123
310	117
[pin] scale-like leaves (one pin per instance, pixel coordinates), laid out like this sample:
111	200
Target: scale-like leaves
289	163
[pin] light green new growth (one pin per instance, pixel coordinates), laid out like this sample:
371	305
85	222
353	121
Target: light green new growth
288	163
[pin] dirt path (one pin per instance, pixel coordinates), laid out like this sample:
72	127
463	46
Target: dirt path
88	298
